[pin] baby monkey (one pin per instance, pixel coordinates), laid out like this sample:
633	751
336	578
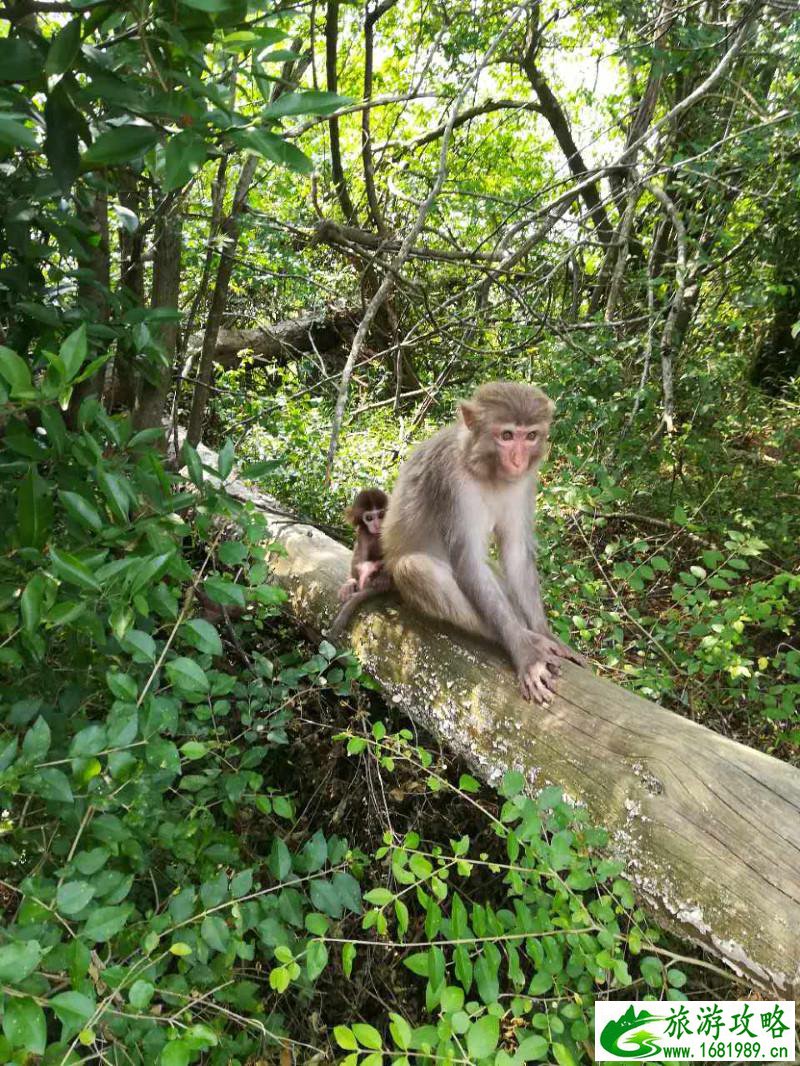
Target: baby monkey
367	574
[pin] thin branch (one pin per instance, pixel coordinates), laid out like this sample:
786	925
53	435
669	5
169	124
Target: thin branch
676	306
397	263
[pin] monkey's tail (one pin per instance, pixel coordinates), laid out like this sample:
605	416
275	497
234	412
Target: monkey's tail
348	609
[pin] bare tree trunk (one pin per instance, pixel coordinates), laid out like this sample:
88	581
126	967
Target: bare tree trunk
230	239
559	123
331	56
131	278
93	294
370	19
166	294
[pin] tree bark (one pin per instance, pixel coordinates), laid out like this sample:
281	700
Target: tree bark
93	293
709	829
131	280
559	124
166	294
230	238
331	58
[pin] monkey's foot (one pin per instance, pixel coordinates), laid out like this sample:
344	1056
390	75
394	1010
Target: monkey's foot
538	667
348	589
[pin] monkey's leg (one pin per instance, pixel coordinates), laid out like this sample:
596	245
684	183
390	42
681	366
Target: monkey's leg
429	584
347	590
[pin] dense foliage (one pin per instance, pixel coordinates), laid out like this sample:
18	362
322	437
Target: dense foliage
218	844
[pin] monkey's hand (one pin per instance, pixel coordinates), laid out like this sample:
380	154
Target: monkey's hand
348	589
538	666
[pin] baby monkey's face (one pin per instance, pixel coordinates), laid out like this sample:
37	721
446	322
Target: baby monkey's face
373	520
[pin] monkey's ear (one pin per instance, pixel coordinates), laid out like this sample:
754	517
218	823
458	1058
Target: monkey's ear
469	414
350	516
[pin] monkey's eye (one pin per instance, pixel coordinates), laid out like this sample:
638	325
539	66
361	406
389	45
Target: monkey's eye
506	435
533	434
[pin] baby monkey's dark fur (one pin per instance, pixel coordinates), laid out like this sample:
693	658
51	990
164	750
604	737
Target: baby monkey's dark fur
368	576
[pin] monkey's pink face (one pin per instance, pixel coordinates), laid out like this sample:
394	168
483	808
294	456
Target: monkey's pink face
517	448
373	520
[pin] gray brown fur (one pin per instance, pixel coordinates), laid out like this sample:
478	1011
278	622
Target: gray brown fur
368	577
452	495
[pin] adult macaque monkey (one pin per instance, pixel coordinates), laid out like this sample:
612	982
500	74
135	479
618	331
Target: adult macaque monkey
367	574
473	479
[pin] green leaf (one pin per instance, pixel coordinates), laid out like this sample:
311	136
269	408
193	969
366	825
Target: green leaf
19	61
193	464
37	741
113	487
344	1038
483	1036
140	645
140	994
184	154
34	511
63	124
512	784
367	1036
225	459
176	1053
274	148
379	896
73	351
73	1010
348	958
203	636
54	785
187	675
452	999
241	883
215	932
81	510
89	741
223	591
19	960
105	922
401	1031
316	959
150	571
15	135
253	471
532	1048
15	370
63	48
211	7
467	783
30	603
24	1024
564	1056
120	145
70	569
123	686
325	898
311	102
73	896
417	963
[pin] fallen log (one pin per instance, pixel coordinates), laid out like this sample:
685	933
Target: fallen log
709	829
320	332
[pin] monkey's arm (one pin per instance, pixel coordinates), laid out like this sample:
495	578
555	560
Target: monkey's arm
480	585
518	556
